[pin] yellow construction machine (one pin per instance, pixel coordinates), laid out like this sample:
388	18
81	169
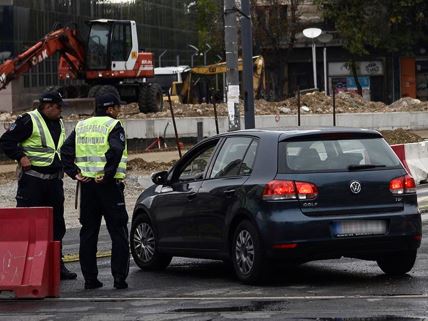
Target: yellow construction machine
187	90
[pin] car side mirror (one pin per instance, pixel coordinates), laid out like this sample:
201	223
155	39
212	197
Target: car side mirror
160	178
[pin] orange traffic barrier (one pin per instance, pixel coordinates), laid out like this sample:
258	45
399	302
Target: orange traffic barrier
29	258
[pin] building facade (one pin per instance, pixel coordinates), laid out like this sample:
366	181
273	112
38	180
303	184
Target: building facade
289	60
162	25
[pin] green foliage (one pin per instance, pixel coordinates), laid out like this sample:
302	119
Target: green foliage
389	26
208	17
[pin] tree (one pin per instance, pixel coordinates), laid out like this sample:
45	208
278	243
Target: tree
208	17
275	25
382	25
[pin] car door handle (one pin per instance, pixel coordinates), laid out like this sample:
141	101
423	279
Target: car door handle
191	196
229	192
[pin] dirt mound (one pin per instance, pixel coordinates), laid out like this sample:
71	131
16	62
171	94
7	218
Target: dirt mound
311	103
139	164
400	136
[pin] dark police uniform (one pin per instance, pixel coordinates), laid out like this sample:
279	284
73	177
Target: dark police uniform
39	185
101	199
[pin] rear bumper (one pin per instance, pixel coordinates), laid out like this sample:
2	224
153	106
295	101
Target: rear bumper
314	237
358	247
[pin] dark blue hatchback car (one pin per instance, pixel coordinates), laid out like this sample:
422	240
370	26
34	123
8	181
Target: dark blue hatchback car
256	197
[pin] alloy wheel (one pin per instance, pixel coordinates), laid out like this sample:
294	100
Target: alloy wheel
244	252
144	242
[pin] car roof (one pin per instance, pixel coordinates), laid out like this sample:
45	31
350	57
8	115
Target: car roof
295	132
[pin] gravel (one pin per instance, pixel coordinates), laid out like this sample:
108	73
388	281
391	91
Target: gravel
135	184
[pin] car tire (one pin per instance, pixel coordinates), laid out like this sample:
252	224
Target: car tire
143	243
397	263
247	254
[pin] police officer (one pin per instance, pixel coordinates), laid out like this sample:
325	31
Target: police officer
95	154
34	140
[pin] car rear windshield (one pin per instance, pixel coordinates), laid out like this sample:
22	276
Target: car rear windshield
336	155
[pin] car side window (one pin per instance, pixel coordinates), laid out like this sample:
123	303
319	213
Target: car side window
230	157
250	156
195	168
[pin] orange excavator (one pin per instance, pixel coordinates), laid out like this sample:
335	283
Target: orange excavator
109	61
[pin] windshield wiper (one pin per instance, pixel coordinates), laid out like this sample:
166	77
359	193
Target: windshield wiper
365	166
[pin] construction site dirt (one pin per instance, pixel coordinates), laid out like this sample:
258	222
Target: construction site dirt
310	103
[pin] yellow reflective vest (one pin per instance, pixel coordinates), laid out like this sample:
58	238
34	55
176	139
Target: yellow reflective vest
40	147
92	145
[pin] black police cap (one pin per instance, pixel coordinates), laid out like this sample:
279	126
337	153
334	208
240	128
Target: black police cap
107	100
52	97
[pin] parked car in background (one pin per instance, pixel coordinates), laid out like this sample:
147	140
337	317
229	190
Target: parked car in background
256	197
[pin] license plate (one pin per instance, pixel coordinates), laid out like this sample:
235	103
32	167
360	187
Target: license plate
359	228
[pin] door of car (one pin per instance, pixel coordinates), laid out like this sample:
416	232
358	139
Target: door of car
220	191
175	225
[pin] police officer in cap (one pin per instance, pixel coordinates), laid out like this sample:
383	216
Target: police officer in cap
95	154
34	141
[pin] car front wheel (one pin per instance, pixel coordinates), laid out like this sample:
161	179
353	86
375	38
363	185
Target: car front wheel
144	246
247	254
397	263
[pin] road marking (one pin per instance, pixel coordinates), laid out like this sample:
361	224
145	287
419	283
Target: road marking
227	298
74	257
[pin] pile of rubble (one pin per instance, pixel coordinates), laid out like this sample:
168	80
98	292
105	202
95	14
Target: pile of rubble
400	136
311	103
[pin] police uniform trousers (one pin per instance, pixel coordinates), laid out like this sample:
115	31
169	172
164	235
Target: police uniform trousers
97	200
34	192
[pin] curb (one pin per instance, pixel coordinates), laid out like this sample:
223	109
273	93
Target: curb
74	257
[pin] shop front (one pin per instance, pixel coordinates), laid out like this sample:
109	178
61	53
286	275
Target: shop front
370	76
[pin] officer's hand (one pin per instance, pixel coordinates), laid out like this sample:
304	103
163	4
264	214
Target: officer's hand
81	178
25	163
99	179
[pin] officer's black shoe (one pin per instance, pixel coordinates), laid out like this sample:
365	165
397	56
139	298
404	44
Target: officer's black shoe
66	274
93	284
120	283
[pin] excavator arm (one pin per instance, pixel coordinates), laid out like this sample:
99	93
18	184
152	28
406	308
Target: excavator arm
65	41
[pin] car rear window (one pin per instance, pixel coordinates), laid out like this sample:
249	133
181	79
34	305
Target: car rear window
336	155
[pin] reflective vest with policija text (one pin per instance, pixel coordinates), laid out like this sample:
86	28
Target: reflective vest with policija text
40	147
92	144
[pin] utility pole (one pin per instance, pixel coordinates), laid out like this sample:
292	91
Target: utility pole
232	75
247	55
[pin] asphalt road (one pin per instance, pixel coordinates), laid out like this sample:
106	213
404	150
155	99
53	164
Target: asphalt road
345	289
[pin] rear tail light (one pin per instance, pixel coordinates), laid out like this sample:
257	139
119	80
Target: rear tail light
402	185
279	190
283	190
306	191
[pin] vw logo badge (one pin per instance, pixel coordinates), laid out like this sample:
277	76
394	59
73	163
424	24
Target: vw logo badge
355	187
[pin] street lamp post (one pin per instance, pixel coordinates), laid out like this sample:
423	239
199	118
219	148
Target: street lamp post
324	38
160	57
196	49
205	53
313	33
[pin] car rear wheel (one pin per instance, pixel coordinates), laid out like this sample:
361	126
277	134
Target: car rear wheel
397	263
144	246
247	254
